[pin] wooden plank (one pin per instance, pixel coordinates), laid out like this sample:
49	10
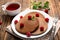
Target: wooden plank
6	19
59	16
56	37
8	36
59	34
55	10
57	4
26	4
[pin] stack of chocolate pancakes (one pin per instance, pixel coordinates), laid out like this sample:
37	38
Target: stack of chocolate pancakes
33	23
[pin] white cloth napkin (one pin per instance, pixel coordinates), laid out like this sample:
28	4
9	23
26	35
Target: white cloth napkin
9	30
57	27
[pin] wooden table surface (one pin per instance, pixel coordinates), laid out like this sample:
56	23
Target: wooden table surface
54	9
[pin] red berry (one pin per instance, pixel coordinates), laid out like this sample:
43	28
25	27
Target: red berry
21	25
46	19
46	10
37	14
0	22
28	34
29	17
16	21
41	28
21	16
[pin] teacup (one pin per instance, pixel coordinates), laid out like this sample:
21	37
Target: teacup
12	8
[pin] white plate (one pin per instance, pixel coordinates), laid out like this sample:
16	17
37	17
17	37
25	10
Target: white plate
23	14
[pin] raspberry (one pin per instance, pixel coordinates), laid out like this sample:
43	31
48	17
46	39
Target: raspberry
0	22
28	34
46	10
21	16
16	21
37	15
41	28
21	25
29	17
46	19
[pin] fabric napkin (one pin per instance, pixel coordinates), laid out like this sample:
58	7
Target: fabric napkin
57	27
9	30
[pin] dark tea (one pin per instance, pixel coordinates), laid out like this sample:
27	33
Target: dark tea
13	6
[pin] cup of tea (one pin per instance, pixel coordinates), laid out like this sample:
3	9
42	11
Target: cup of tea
12	8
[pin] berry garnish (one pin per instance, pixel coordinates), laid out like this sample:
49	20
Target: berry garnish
41	28
28	34
46	10
0	22
29	17
46	19
16	21
21	25
21	16
37	14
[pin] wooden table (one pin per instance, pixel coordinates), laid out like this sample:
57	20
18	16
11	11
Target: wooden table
54	8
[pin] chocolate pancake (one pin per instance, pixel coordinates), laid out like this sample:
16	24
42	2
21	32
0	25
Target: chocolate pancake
43	23
32	25
29	25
